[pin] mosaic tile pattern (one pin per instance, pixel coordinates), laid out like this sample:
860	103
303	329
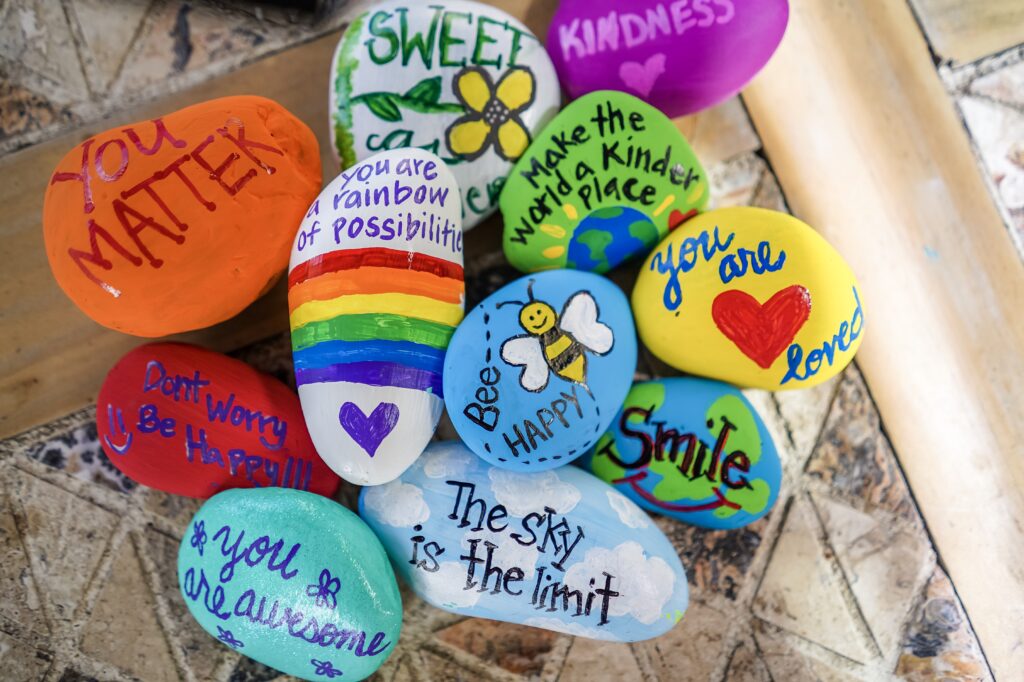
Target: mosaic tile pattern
839	582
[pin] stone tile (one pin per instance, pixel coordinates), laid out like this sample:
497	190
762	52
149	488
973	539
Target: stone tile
202	653
853	458
519	649
735	182
693	649
1004	85
802	591
720	133
20	662
785	661
717	562
36	36
107	36
885	564
272	356
77	451
965	32
19	597
24	111
804	412
249	670
66	538
71	675
746	665
174	508
123	629
439	669
939	642
590	660
769	194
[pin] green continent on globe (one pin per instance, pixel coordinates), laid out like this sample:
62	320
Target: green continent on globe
610	236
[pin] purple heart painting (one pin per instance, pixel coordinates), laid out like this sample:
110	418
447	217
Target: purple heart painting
368	432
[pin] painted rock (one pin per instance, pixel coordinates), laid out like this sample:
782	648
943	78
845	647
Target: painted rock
375	291
461	79
679	56
559	550
537	371
752	297
192	422
143	222
692	449
292	580
604	182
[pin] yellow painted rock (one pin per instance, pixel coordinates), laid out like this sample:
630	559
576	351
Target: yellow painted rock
750	296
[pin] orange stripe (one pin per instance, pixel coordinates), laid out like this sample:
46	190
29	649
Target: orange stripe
368	280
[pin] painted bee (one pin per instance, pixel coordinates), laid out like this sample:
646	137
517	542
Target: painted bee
556	343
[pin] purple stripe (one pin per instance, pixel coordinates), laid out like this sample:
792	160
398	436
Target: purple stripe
373	374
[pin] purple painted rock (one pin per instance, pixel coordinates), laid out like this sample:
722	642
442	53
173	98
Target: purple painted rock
680	55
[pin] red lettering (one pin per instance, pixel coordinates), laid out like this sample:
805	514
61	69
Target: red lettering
123	211
246	144
218	172
147	186
94	256
82	176
161	135
98	161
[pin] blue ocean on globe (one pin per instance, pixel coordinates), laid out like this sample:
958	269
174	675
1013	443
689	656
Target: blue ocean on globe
610	236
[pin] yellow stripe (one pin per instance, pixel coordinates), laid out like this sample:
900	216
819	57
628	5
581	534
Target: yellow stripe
418	307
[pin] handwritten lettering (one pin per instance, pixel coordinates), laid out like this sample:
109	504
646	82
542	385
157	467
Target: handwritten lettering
841	341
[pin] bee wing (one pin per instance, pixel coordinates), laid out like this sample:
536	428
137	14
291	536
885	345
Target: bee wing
527	352
579	318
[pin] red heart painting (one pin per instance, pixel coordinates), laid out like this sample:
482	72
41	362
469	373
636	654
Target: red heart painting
677	218
762	331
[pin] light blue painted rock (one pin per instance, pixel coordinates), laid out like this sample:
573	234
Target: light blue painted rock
692	449
558	550
535	373
292	580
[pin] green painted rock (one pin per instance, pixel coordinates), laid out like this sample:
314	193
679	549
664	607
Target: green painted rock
604	182
292	580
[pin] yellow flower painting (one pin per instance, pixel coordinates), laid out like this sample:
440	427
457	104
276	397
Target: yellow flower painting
492	113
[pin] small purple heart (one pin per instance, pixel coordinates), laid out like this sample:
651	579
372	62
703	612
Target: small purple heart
368	432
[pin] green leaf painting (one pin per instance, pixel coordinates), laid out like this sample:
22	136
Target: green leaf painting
422	98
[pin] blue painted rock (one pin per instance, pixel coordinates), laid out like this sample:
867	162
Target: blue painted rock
692	449
193	422
375	291
679	56
559	550
604	182
537	371
752	297
464	80
292	580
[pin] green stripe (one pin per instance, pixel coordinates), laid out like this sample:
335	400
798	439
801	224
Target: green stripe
370	327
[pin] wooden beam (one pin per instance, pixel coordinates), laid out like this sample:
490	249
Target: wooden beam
54	357
869	149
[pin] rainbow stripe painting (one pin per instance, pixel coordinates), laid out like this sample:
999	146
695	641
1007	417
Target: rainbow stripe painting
375	291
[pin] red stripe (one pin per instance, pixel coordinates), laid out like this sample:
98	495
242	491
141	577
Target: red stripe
372	257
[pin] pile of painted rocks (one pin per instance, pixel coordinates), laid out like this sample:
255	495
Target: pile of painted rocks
442	114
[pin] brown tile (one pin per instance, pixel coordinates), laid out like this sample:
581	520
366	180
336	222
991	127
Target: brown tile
745	664
517	648
35	36
439	669
590	660
692	650
717	562
66	538
884	562
803	592
24	111
108	34
20	662
853	457
787	661
804	412
939	642
175	508
271	356
123	629
19	597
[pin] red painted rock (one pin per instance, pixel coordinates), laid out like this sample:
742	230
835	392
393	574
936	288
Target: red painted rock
192	422
144	222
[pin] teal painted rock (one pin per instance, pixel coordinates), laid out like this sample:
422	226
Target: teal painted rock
292	580
536	372
692	449
461	79
559	550
602	183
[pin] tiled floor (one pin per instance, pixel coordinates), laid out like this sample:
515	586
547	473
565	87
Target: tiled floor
839	582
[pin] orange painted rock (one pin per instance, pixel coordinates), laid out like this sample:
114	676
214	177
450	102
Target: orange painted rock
192	422
178	223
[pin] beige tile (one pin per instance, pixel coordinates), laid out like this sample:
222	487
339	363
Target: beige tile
746	664
518	649
786	660
35	35
108	33
720	133
965	31
590	660
19	597
20	662
24	111
123	629
802	591
692	650
804	412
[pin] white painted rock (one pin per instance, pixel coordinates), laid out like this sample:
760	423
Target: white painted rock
463	80
375	290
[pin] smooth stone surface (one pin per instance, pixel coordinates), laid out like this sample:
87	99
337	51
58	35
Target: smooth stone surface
536	372
692	449
375	290
463	80
143	222
603	183
189	421
680	55
752	297
559	550
292	580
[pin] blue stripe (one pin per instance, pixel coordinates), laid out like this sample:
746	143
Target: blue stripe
413	355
